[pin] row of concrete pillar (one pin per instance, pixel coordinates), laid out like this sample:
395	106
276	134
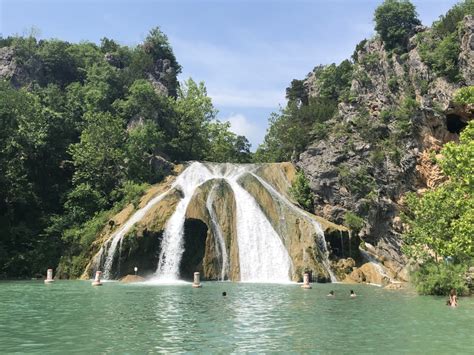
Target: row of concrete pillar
196	279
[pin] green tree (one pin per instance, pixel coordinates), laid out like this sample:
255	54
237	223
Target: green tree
301	191
143	142
194	112
99	156
226	146
394	22
441	221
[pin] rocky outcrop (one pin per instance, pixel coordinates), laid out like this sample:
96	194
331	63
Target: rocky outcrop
12	71
372	157
162	76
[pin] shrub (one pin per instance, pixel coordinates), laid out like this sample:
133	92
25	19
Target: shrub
301	191
353	221
392	84
464	96
439	279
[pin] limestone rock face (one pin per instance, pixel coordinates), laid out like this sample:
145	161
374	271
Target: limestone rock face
210	242
337	164
222	202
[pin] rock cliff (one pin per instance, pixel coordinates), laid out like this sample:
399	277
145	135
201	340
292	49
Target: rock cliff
387	132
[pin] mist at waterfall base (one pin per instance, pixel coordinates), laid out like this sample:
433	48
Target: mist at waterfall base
73	316
262	254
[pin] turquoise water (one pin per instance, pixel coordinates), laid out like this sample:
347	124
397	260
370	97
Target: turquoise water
74	316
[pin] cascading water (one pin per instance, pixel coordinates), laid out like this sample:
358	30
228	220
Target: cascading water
172	244
218	237
317	227
262	255
117	237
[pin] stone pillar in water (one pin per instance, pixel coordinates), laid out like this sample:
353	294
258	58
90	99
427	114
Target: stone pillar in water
306	284
49	276
197	280
96	281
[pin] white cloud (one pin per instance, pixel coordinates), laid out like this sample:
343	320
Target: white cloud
241	125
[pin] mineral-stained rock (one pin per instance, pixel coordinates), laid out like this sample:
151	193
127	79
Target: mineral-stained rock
131	279
368	273
223	205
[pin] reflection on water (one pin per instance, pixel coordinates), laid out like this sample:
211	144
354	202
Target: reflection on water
72	315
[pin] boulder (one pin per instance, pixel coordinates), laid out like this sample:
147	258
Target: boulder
131	279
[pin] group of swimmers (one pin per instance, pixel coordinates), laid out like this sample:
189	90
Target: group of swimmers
332	294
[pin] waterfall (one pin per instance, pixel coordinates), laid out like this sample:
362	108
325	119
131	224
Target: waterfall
172	244
117	237
317	227
218	237
262	254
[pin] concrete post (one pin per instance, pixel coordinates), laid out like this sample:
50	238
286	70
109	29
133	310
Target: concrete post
197	280
306	284
97	281
49	276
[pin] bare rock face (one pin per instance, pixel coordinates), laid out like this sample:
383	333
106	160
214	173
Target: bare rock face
347	171
368	273
223	205
466	58
162	76
10	69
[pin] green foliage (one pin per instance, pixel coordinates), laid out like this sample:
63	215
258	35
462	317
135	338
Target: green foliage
441	55
359	47
333	80
448	23
370	60
87	136
440	279
358	181
301	191
226	146
458	159
292	129
441	222
353	221
440	47
394	22
392	84
297	92
464	96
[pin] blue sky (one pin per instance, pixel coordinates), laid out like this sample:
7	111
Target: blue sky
247	51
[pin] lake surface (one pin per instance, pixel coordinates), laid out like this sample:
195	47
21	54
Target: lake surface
73	316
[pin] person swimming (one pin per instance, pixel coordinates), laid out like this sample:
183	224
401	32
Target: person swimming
331	294
224	293
353	294
453	298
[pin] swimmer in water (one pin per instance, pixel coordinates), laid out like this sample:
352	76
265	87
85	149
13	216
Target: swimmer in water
331	294
224	293
353	294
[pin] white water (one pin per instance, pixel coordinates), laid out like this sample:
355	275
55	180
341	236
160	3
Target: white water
317	227
262	255
172	244
117	237
218	237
